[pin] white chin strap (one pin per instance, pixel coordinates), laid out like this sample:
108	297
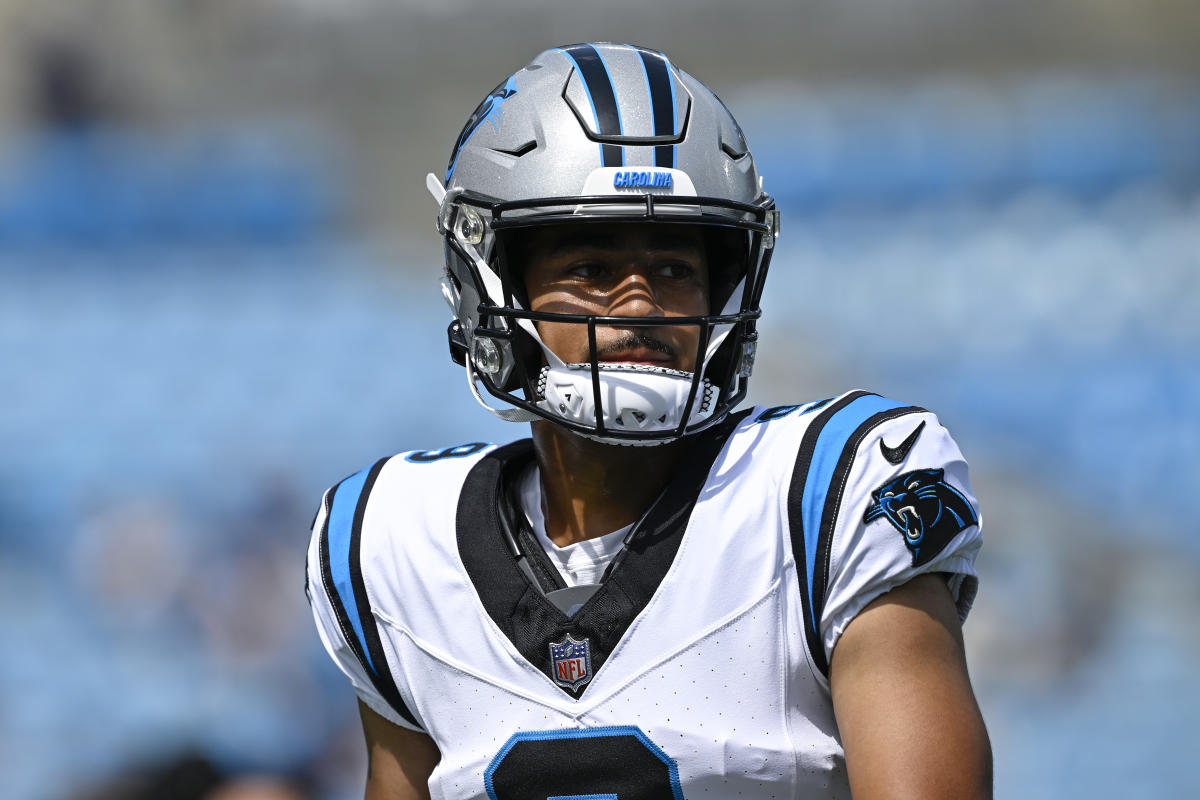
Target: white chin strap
512	414
635	398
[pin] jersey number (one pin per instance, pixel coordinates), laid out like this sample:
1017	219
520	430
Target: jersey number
425	456
618	763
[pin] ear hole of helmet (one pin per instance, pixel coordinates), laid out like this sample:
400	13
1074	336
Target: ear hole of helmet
509	257
728	262
508	260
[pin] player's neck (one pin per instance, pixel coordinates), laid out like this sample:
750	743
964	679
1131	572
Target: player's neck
591	489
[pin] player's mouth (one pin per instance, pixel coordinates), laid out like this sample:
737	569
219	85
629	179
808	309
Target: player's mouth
637	357
636	348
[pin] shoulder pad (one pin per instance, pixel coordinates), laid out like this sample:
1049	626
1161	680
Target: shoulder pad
342	579
823	463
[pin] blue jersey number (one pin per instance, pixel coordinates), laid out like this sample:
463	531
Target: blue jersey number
425	456
618	763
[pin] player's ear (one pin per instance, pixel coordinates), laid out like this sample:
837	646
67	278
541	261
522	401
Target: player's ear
727	252
514	249
512	255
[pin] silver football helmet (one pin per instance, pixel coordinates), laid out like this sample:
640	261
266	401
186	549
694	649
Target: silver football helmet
602	133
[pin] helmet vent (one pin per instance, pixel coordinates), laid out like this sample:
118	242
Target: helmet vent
734	152
519	150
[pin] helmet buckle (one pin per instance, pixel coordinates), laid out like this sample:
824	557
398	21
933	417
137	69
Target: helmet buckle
746	363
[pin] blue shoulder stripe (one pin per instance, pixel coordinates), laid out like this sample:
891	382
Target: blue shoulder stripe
340	529
341	572
822	466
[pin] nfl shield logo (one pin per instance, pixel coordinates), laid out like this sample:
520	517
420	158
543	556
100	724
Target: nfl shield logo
571	662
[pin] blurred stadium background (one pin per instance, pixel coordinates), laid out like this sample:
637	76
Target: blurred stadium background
218	295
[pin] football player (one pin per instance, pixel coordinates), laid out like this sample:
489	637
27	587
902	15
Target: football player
657	595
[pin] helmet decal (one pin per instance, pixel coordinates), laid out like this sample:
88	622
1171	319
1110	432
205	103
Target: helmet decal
488	111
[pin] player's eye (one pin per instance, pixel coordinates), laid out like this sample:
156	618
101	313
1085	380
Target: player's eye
586	270
675	270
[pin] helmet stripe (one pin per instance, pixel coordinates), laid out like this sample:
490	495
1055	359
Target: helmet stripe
601	95
662	103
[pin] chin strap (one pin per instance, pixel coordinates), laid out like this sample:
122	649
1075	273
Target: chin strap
507	414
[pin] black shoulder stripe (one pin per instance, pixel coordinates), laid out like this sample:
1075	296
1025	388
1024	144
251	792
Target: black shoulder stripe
342	577
808	445
833	504
339	610
320	548
382	675
823	463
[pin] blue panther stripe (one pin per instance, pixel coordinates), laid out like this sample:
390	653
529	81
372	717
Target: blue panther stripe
831	441
340	527
341	540
823	462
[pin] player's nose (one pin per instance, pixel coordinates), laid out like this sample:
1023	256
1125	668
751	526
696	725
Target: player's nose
634	295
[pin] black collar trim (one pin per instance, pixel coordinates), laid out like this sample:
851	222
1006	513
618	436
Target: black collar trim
520	610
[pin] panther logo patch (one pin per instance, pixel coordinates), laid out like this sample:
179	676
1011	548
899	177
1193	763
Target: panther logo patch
923	507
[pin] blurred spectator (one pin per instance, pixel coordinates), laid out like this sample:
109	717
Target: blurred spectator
1039	232
258	787
191	776
129	560
66	93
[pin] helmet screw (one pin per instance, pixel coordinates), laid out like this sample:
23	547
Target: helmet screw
486	356
470	226
746	364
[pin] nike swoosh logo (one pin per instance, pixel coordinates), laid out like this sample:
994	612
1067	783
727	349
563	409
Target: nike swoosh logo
897	454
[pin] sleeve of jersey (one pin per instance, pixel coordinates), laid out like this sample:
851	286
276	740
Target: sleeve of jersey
906	509
337	596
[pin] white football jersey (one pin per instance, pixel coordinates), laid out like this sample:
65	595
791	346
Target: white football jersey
699	669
